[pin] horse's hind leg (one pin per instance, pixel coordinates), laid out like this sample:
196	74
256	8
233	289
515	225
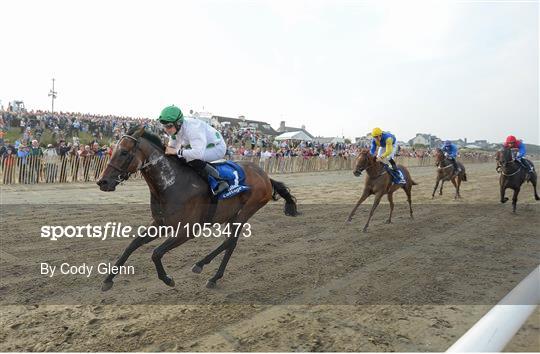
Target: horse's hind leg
391	201
198	266
231	245
514	199
454	182
533	181
407	190
136	243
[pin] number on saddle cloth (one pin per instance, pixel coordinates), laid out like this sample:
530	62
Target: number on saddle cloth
233	174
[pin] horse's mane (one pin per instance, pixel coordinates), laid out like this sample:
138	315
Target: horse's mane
151	137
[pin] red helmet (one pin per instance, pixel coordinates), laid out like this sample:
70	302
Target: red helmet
511	139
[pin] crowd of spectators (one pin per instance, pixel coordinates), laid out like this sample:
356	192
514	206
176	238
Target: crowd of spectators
89	137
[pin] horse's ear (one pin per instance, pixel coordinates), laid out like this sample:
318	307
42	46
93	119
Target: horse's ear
139	132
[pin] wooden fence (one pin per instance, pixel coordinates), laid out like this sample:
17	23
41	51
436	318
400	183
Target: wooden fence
70	169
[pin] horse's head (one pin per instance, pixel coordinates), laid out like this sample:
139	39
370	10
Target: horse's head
126	159
439	156
363	161
504	157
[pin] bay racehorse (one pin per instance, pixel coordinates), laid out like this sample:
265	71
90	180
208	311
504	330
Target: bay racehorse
445	172
379	183
513	175
179	197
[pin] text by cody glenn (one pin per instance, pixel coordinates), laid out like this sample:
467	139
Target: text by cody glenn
120	230
84	269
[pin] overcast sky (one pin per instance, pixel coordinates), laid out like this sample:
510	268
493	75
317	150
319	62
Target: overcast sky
455	69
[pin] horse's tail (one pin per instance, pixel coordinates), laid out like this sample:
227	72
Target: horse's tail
290	201
413	183
464	177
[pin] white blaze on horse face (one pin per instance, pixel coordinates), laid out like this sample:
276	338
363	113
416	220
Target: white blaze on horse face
166	173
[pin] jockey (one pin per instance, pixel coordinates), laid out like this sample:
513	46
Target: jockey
450	152
512	143
385	145
196	142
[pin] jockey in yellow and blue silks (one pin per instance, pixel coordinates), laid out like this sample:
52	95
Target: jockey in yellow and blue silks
450	152
384	145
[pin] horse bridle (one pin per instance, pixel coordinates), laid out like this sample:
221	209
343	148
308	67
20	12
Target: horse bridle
500	169
362	170
124	174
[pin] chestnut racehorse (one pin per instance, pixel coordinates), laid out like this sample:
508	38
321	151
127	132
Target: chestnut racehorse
379	183
445	172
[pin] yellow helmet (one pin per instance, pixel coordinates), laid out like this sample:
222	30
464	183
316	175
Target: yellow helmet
376	132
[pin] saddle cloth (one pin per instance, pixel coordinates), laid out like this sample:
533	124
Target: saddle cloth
233	174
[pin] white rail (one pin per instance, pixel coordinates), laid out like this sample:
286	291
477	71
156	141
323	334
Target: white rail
495	330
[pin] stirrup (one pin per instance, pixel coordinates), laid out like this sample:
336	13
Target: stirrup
221	187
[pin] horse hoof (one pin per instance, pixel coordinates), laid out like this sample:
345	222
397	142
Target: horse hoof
210	284
107	285
388	222
348	222
364	230
504	200
196	269
169	281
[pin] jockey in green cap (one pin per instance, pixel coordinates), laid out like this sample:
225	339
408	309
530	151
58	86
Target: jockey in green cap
196	142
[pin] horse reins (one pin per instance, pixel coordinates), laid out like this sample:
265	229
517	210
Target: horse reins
124	174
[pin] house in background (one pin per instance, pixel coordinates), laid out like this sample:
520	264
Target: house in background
363	141
426	140
329	140
242	123
284	129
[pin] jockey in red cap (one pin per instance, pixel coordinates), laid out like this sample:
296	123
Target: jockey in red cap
512	143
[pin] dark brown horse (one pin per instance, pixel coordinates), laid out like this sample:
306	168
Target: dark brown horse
379	182
513	175
179	197
446	172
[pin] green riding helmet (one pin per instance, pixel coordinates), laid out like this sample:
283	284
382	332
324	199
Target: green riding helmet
171	114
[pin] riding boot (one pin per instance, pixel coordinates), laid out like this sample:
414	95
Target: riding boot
395	170
222	184
528	167
393	163
204	170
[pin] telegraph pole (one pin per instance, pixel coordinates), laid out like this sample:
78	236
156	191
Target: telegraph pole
52	95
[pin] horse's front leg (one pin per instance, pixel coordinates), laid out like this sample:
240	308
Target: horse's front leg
136	243
373	207
514	199
442	184
364	196
159	252
503	190
436	185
